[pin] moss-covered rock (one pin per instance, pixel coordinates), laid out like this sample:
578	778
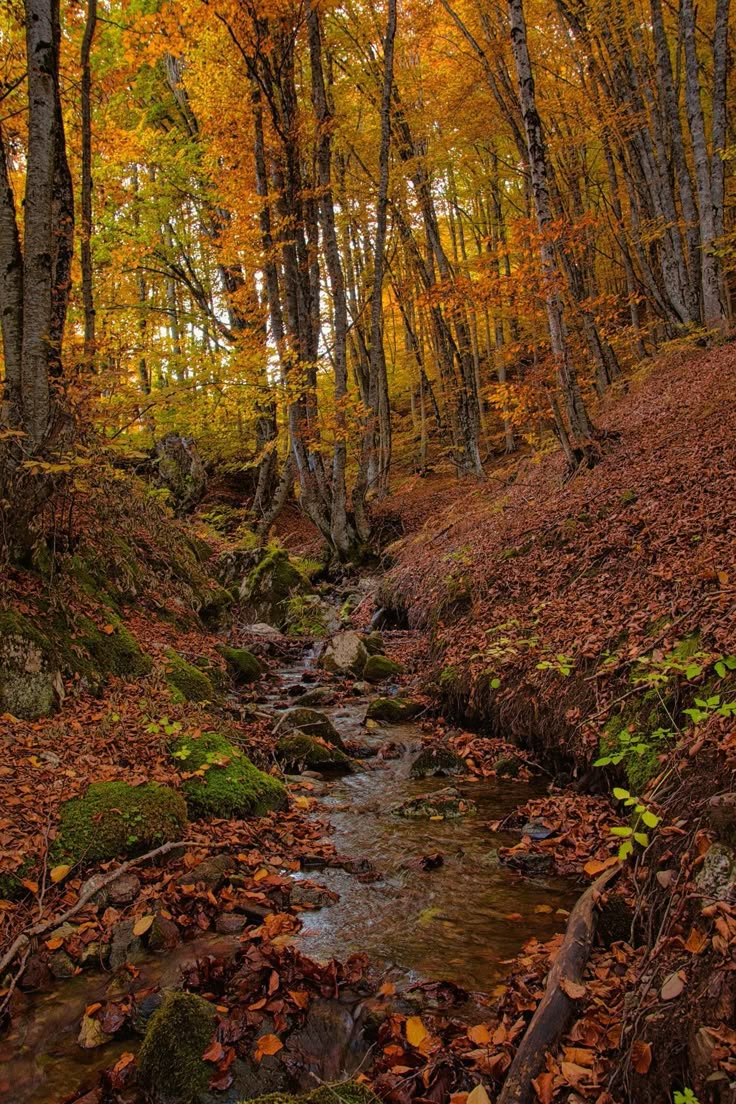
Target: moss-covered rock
28	669
114	820
374	643
312	723
393	710
242	664
215	604
437	762
187	682
223	782
379	667
270	585
301	752
113	648
346	1092
170	1064
507	767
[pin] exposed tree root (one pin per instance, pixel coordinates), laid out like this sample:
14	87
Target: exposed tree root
556	1009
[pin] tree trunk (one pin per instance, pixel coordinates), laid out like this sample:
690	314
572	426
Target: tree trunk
86	186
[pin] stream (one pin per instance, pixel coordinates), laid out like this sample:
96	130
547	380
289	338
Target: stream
460	921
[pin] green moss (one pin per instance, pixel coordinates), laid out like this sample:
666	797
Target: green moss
300	752
305	616
270	585
347	1092
450	678
113	820
188	683
228	784
113	653
170	1061
393	710
380	667
312	723
374	643
215	604
242	663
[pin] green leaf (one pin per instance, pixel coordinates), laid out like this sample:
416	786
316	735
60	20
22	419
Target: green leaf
721	669
625	850
604	762
495	683
650	819
620	794
623	832
641	838
693	671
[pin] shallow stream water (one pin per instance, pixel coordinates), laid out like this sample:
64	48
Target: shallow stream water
461	921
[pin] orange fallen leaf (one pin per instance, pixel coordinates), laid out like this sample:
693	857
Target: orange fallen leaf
641	1055
58	873
573	989
215	1052
696	941
478	1095
479	1034
268	1044
416	1032
543	1087
141	926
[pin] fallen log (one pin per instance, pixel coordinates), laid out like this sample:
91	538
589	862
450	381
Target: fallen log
556	1009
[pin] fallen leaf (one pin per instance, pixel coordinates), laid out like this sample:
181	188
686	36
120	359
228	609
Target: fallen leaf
416	1032
696	941
58	873
478	1095
641	1055
268	1044
215	1052
141	926
672	987
573	989
479	1034
543	1087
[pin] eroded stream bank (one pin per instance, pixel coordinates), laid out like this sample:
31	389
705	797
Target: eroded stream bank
432	902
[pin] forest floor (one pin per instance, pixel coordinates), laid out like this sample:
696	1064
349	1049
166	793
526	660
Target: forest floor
550	624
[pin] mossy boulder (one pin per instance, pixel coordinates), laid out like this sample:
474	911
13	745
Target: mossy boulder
379	667
223	782
186	681
114	820
181	471
242	664
312	723
507	766
269	587
393	710
113	648
170	1064
300	752
347	1092
28	671
435	762
374	643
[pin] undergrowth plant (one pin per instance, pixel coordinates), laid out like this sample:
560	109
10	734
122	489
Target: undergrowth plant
632	834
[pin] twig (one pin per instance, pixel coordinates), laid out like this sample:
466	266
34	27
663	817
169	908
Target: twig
96	884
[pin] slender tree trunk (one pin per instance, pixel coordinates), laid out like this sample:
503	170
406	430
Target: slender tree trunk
11	297
714	315
581	428
86	186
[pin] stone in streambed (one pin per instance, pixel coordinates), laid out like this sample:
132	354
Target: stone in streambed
449	804
437	762
531	863
211	872
345	653
374	643
296	752
393	710
312	723
170	1064
230	786
242	664
318	695
378	668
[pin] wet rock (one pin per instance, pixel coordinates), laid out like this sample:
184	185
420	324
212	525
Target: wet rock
267	638
318	695
393	710
329	1046
435	762
61	965
312	723
163	934
374	643
294	753
390	750
448	803
536	829
36	974
716	879
345	653
143	1008
530	863
125	946
124	890
230	923
94	955
91	1034
212	872
312	895
361	687
378	668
